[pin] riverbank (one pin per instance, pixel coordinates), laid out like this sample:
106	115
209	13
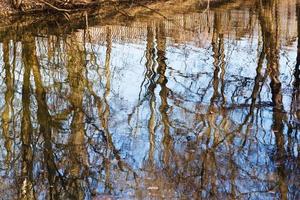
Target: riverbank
108	12
21	7
14	7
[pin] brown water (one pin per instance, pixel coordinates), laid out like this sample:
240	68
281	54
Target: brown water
184	103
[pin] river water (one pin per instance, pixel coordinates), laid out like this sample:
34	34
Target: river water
175	102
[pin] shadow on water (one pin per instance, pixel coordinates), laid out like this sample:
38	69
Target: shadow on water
196	105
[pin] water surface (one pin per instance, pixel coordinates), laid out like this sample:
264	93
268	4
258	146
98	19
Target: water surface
189	103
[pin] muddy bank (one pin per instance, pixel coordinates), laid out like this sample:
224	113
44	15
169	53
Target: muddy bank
9	7
14	7
106	13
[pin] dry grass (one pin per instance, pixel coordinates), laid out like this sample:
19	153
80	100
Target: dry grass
6	8
30	6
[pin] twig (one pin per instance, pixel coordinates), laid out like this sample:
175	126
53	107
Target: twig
54	7
153	10
207	8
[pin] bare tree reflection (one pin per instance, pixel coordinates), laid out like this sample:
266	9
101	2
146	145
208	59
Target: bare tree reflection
6	116
27	185
214	119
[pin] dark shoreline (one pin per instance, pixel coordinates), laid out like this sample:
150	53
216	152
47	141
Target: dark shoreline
28	7
106	13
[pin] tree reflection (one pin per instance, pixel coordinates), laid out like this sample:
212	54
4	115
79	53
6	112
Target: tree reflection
6	116
217	121
27	190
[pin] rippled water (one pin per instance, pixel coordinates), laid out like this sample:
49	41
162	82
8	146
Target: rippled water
190	103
